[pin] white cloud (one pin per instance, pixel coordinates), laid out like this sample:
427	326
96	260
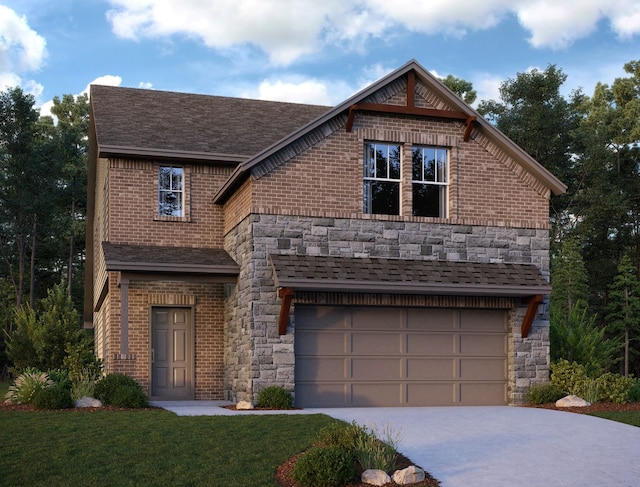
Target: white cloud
145	85
288	29
22	50
300	90
107	80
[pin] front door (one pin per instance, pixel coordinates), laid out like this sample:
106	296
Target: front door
172	353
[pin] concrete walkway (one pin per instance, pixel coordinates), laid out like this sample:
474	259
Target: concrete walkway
493	446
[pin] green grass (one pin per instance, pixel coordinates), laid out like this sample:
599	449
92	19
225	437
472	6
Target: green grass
4	387
137	448
628	417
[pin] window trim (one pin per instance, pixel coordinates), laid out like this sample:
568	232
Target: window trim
367	203
444	195
186	211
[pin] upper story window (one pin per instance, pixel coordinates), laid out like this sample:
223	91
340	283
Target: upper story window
382	178
171	191
430	181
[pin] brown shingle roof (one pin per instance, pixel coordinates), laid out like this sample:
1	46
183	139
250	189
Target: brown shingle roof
319	273
149	120
147	258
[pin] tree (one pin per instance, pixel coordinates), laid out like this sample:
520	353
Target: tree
624	309
462	88
570	283
48	336
534	114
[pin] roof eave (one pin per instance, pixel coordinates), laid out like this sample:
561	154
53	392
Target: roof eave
155	153
229	270
439	289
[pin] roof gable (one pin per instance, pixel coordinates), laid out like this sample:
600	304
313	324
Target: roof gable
436	95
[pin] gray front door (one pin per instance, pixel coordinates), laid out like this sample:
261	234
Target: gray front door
172	353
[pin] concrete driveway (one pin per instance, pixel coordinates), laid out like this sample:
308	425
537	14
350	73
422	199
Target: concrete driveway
497	446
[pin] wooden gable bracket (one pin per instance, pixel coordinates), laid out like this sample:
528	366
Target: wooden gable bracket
286	294
533	302
412	109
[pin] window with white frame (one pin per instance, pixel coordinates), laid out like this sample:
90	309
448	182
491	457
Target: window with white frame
382	164
171	191
430	181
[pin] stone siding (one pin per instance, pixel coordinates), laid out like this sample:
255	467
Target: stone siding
253	331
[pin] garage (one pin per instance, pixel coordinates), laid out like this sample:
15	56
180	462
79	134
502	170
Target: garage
350	356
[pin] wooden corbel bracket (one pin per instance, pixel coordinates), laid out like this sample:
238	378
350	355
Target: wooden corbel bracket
533	302
286	294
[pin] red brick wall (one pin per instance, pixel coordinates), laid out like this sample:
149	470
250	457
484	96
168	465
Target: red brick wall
327	179
133	197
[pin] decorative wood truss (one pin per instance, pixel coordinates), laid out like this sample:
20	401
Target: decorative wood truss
412	109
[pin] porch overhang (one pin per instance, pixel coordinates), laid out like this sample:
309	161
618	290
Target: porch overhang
396	276
144	262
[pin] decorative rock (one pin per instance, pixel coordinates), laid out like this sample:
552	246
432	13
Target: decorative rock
375	477
409	475
572	402
243	405
88	402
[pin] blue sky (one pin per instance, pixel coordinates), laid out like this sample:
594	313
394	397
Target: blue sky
310	51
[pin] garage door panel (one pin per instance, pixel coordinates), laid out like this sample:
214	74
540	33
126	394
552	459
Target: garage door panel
321	368
376	343
483	393
482	369
375	393
322	317
483	345
431	344
483	320
434	394
431	368
321	395
436	319
376	318
327	342
376	368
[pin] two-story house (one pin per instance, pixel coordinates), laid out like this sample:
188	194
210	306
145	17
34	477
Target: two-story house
392	250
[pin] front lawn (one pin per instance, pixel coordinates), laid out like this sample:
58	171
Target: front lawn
628	417
149	447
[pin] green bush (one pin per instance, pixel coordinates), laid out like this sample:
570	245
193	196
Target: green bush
613	388
84	385
129	397
544	394
570	377
26	385
325	466
274	397
60	377
373	452
342	435
107	386
634	391
56	397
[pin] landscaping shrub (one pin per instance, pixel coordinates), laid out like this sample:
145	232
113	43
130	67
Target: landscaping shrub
274	397
129	397
613	388
570	377
373	452
325	466
107	386
544	394
84	385
56	397
344	436
634	391
26	385
60	377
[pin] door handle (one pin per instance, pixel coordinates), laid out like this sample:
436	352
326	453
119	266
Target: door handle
153	356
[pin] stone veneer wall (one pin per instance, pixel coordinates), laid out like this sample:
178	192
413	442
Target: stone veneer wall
257	357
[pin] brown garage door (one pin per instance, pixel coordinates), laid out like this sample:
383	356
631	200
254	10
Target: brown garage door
352	356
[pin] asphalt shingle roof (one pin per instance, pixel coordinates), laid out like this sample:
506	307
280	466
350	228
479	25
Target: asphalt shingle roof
407	276
183	122
122	257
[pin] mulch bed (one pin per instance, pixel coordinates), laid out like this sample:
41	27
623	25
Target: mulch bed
600	407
